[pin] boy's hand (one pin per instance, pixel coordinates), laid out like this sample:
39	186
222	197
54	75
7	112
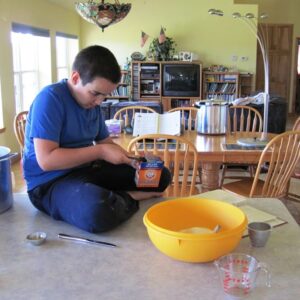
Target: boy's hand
114	154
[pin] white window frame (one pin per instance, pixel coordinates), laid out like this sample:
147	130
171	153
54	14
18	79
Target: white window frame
41	69
70	52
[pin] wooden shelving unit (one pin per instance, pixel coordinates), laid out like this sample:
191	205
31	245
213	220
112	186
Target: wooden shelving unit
221	85
173	102
246	84
123	91
147	81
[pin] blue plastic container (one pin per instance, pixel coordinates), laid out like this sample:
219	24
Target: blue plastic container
6	196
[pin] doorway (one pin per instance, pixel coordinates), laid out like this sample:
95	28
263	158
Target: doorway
280	41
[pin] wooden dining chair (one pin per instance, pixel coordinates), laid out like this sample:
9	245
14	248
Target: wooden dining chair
282	153
127	113
188	122
246	119
188	117
296	173
19	128
179	156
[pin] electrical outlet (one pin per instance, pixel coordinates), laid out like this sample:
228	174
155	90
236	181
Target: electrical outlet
234	58
244	58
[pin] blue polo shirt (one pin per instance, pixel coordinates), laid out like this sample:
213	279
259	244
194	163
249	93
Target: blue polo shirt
56	116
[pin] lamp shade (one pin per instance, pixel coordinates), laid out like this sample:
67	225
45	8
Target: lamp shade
102	14
87	11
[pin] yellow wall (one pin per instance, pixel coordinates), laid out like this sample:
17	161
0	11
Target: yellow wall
214	39
282	12
38	13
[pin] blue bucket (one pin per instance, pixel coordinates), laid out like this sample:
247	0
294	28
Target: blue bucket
6	196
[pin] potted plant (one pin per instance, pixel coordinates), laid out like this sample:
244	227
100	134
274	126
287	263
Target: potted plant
162	51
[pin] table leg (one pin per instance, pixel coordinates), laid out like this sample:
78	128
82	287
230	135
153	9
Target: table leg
210	176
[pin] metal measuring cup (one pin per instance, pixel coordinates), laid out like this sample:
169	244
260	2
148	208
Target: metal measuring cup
259	233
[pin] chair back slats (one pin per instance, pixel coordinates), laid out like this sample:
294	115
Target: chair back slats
188	117
234	129
241	118
128	113
19	128
284	153
275	175
245	118
188	122
179	156
288	165
297	169
297	124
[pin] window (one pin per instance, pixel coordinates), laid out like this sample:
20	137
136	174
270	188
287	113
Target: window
66	50
31	62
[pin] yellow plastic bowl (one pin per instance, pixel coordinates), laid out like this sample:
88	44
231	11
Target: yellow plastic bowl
165	220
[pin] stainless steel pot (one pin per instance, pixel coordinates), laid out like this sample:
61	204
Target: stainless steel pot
6	196
212	117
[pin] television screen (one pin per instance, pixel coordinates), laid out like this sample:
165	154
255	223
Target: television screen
181	80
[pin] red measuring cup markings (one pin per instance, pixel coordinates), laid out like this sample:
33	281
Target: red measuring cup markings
238	273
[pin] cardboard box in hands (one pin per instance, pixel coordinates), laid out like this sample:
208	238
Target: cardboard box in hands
149	172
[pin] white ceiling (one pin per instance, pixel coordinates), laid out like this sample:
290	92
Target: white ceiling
69	4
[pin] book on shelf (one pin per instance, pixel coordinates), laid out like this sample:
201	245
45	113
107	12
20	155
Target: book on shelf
149	67
125	78
121	90
150	123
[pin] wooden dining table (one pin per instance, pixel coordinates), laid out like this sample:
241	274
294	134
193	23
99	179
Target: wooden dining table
212	153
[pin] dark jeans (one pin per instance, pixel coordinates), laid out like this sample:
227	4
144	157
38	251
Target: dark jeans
92	198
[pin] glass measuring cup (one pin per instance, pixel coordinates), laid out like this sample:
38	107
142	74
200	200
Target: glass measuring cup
238	274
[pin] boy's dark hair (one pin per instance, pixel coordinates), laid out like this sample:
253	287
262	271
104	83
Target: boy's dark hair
96	61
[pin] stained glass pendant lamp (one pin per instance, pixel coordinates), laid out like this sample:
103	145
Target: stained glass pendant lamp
102	14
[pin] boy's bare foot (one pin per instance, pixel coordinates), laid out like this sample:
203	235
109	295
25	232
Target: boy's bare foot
140	195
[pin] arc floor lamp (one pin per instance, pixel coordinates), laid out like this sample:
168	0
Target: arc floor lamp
251	22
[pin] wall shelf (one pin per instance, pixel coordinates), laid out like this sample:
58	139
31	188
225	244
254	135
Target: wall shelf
221	85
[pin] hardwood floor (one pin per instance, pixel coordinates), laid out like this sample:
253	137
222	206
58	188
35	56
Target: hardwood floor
19	185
